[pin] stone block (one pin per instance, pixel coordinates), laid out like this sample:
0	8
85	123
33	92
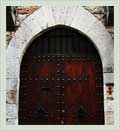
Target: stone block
48	13
36	25
103	42
62	12
11	84
98	30
83	20
11	121
12	70
11	111
11	96
109	120
59	14
109	105
108	78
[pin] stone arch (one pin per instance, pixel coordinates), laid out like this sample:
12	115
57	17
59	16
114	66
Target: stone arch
49	16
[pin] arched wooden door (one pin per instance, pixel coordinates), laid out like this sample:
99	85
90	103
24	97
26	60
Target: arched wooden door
61	80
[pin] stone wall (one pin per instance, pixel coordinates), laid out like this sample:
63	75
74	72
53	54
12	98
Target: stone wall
24	12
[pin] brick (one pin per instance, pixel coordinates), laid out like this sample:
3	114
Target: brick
28	10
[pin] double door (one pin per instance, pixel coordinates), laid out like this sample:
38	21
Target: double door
58	89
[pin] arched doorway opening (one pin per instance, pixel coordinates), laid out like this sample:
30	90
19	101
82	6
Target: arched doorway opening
61	80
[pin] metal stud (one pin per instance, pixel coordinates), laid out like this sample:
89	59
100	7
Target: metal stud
62	122
63	111
74	79
58	71
58	118
73	59
36	78
24	93
47	79
52	78
68	79
85	78
52	116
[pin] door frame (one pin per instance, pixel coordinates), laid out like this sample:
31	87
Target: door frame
27	32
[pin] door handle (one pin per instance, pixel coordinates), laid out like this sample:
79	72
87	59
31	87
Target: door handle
40	113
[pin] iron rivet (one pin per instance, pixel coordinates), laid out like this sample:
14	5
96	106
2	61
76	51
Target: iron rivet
52	78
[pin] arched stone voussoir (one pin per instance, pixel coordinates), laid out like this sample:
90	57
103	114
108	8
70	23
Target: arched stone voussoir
40	20
83	20
64	15
103	42
12	62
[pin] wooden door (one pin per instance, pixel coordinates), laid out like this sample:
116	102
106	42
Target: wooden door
61	81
